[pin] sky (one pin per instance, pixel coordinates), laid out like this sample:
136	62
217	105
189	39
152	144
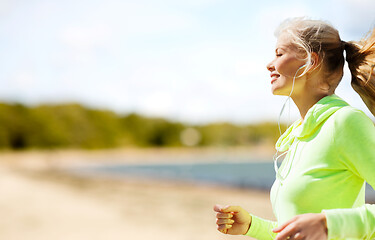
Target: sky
194	61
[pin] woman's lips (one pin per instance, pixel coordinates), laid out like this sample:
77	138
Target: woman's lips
274	77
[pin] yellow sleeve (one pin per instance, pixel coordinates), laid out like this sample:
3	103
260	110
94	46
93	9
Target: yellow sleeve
261	229
356	146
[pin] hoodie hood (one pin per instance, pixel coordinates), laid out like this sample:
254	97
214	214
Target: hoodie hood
316	115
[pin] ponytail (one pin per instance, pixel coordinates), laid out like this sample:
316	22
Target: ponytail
361	60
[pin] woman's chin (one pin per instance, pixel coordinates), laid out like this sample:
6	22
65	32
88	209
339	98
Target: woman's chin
278	92
275	91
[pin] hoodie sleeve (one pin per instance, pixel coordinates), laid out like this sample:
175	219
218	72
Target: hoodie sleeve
261	229
355	139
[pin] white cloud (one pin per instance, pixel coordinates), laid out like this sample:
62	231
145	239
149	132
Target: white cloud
353	18
363	4
152	21
157	104
86	38
81	42
193	3
138	17
6	7
24	79
249	67
268	19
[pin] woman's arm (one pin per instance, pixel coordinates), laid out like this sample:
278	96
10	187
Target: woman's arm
356	223
355	141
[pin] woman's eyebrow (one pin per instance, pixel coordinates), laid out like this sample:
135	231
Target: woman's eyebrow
279	48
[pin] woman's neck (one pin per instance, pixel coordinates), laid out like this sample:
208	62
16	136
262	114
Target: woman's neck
304	103
313	89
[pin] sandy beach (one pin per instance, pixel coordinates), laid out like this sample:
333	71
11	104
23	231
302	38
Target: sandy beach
40	201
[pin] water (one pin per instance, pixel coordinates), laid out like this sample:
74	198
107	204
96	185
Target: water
258	175
247	175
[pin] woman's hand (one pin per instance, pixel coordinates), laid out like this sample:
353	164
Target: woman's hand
232	220
310	226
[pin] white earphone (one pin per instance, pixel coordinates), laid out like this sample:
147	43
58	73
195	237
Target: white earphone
304	65
276	157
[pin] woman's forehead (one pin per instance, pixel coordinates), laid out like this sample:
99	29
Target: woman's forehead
283	41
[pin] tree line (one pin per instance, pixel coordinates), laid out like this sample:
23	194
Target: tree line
50	126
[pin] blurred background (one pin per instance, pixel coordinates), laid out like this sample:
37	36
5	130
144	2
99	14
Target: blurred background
151	87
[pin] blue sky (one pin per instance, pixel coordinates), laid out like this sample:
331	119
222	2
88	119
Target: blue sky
194	61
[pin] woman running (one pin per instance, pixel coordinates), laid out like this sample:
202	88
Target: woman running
319	191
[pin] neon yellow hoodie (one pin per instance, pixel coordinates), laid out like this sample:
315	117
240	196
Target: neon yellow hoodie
330	156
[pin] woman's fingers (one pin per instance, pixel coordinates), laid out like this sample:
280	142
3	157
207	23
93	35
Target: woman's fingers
224	215
220	221
284	225
232	219
224	212
224	218
224	228
217	208
297	236
288	232
227	209
233	209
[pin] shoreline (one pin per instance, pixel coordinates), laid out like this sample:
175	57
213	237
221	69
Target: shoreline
55	159
42	202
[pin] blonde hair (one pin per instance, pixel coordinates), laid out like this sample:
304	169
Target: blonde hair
315	36
361	60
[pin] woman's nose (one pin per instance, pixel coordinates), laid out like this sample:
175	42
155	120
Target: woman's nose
270	67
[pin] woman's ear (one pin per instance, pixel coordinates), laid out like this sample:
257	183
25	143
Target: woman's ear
315	61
